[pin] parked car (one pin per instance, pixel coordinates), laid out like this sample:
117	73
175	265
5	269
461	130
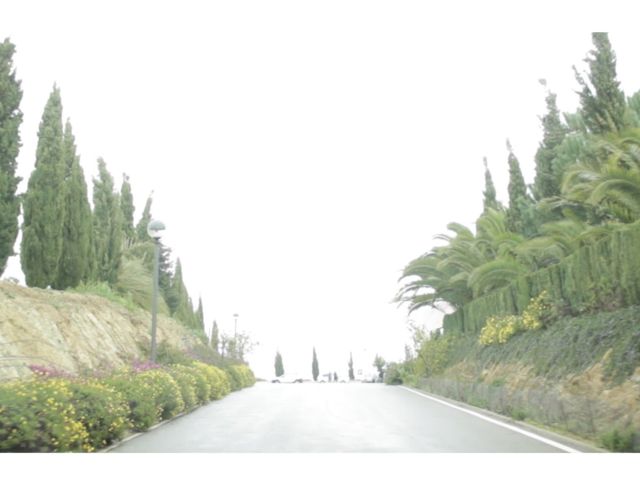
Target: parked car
288	379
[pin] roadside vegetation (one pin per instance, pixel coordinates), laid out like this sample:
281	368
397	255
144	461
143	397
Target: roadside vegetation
56	412
544	291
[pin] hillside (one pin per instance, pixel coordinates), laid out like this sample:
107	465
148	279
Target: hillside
580	376
75	332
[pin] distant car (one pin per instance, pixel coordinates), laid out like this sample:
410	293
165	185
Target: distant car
288	379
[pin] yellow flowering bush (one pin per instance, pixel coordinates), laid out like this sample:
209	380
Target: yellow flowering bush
141	397
102	410
186	381
166	392
240	376
500	329
531	317
203	389
38	415
216	379
51	414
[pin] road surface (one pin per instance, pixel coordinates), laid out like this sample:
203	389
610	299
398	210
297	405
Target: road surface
335	417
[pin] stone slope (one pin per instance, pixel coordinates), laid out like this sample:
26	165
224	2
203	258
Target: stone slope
75	332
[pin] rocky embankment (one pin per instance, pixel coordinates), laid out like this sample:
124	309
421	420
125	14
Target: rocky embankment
75	332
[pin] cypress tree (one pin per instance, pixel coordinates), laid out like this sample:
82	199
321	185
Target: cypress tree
128	209
141	227
200	315
76	232
519	200
602	100
10	120
489	195
279	366
43	201
351	375
107	225
546	184
179	301
315	370
215	336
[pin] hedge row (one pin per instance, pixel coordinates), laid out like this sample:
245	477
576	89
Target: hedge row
602	276
46	414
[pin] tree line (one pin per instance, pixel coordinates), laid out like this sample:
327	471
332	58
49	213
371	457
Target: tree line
379	363
67	242
586	185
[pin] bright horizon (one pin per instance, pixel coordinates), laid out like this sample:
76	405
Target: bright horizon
299	165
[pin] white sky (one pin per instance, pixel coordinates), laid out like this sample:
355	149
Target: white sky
302	153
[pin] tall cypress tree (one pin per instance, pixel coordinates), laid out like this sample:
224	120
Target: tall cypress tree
602	101
76	232
315	370
43	201
489	195
10	120
200	315
215	336
107	226
279	366
179	301
546	183
141	227
128	209
519	200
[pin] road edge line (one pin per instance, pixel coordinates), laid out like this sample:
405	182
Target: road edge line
521	431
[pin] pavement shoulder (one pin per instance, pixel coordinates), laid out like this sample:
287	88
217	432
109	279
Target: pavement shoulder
576	444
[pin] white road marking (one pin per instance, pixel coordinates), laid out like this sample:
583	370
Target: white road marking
498	422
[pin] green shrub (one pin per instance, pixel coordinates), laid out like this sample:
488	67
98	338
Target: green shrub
141	397
104	290
247	376
186	381
167	396
394	373
217	380
234	378
102	411
38	416
619	441
202	387
434	354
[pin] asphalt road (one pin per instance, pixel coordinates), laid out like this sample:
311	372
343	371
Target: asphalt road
335	417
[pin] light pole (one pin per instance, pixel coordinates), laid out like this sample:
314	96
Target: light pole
155	229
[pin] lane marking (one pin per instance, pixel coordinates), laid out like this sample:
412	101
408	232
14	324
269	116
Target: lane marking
497	422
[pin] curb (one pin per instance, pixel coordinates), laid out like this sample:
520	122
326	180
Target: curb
151	428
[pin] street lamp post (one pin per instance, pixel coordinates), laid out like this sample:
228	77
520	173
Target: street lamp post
155	229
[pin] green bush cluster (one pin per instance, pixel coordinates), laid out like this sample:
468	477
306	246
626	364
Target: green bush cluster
47	414
601	277
216	378
240	376
395	374
433	356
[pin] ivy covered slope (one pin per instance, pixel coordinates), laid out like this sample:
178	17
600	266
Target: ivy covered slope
545	291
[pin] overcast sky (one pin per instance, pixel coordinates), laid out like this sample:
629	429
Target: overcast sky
300	156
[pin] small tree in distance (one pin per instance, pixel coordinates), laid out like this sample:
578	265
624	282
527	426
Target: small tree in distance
278	365
379	363
315	370
351	375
